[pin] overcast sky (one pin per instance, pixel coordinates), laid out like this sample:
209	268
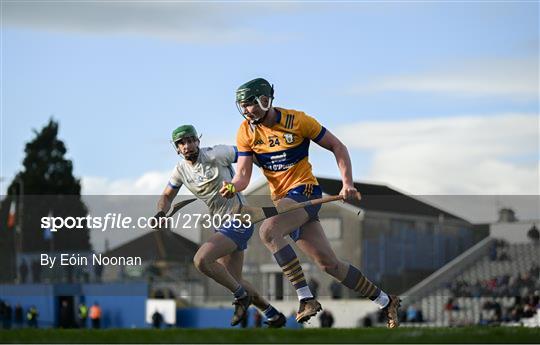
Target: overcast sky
430	97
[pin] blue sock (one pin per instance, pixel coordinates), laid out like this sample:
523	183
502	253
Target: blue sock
240	292
355	280
270	312
288	261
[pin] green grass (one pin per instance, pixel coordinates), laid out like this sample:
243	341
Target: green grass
371	335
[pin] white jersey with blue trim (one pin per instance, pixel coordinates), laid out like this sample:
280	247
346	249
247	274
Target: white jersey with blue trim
205	177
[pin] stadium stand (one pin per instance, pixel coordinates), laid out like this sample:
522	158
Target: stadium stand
499	286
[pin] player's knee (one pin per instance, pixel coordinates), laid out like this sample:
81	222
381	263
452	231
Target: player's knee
201	262
266	233
328	265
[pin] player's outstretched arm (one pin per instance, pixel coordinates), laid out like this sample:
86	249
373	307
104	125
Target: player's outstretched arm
164	204
166	198
330	142
240	181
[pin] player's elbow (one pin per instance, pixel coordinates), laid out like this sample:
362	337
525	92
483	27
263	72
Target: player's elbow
339	148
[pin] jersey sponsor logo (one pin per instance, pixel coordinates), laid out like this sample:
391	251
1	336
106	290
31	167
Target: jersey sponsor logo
279	167
281	157
259	142
279	162
283	160
289	138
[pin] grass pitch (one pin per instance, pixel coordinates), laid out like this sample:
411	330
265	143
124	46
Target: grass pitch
277	336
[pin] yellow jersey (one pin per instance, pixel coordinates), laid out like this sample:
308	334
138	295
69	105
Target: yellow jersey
282	150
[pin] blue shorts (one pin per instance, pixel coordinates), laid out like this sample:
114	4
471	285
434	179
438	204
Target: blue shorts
240	236
303	193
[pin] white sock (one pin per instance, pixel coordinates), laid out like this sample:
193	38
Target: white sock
382	300
304	292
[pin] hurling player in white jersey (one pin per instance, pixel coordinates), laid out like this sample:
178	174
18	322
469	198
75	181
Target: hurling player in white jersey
221	258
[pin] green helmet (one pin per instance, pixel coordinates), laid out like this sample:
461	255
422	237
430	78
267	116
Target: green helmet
184	131
253	89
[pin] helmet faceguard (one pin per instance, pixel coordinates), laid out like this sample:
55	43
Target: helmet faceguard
182	132
250	93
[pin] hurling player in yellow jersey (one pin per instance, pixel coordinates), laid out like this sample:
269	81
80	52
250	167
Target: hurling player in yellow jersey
279	140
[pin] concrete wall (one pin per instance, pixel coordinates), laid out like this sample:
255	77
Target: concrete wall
39	295
123	305
347	313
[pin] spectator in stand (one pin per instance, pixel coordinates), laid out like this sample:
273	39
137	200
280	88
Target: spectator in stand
476	289
449	308
513	288
498	311
528	311
451	305
535	271
493	252
503	255
412	313
533	234
536	299
492	284
420	316
517	313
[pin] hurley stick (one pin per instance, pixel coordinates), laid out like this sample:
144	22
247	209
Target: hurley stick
259	214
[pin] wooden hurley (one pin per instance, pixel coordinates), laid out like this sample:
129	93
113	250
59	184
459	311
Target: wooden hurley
259	214
179	205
